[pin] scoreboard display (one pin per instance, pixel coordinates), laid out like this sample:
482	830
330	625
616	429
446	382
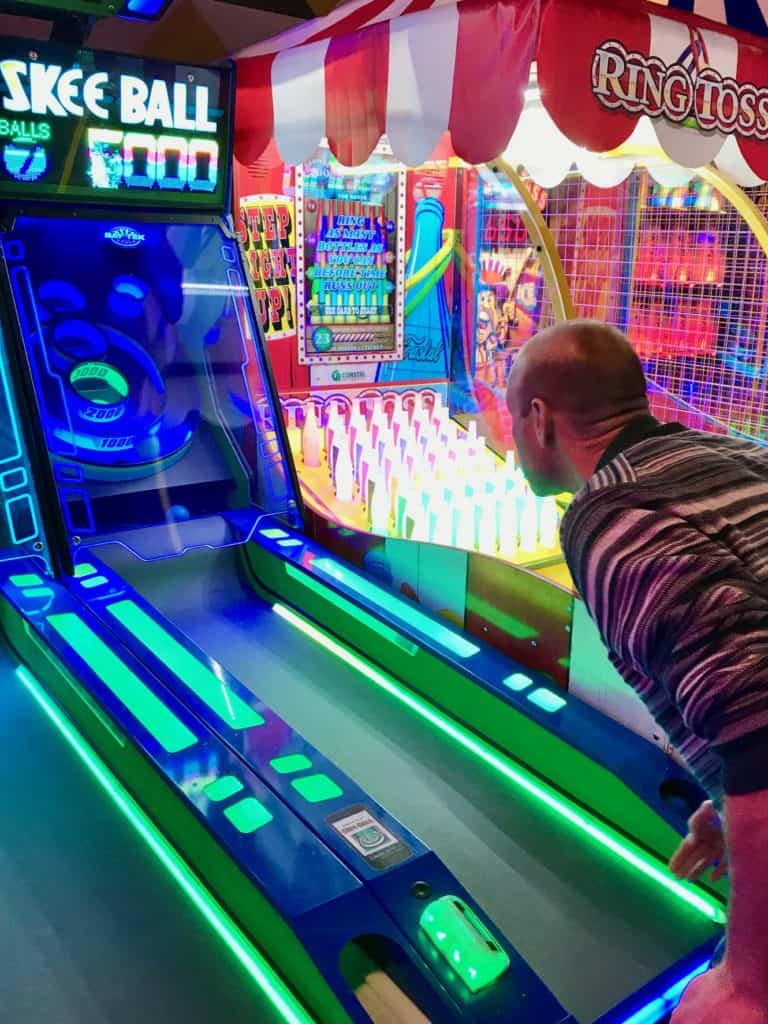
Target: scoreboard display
92	127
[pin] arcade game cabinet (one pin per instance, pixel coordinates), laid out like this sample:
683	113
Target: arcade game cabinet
141	453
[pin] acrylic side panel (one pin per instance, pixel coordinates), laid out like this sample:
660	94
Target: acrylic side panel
143	355
522	614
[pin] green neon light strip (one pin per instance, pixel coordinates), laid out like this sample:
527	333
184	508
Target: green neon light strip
391	603
222	925
169	731
596	830
214	692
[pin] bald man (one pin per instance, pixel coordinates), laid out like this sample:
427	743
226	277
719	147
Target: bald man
667	542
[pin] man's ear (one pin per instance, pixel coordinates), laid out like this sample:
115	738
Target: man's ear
543	424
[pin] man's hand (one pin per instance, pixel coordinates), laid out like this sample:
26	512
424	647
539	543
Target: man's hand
702	848
712	999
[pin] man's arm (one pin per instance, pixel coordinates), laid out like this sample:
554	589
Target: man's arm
736	991
746	822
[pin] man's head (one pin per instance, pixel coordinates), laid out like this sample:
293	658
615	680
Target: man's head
571	390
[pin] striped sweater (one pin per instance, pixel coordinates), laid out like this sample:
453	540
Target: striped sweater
668	546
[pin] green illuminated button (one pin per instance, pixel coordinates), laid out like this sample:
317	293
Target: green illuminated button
144	705
517	682
317	788
248	815
273	533
28	579
290	764
94	581
464	942
546	700
221	789
214	692
84	569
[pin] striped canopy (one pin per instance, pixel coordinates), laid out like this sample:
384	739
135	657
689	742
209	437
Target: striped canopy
421	71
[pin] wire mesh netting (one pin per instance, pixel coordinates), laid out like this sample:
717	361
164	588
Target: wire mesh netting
681	272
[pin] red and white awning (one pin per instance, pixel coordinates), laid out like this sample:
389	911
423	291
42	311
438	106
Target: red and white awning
410	69
414	70
704	93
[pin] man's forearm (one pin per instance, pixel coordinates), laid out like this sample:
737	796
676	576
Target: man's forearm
747	833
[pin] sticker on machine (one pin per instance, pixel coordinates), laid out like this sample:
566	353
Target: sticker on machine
368	837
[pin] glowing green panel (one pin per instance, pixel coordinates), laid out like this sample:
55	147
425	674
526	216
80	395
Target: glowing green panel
27	579
144	705
84	569
391	603
462	939
317	788
210	910
214	692
248	815
290	764
223	788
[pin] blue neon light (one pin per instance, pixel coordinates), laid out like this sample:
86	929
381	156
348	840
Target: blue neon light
21	519
652	1012
124	236
25	162
145	8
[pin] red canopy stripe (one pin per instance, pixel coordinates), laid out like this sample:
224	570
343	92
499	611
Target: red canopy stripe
356	70
494	45
494	50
